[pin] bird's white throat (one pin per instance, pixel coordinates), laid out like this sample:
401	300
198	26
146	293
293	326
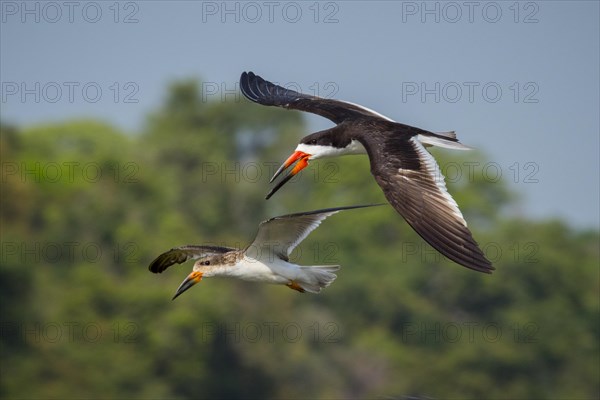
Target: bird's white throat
319	151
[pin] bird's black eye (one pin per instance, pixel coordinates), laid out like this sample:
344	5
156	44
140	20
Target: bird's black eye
314	141
205	263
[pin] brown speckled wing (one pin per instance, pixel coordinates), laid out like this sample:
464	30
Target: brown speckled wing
179	255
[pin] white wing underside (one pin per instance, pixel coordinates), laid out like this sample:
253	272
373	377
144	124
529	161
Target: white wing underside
436	174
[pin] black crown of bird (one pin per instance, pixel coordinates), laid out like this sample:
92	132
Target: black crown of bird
407	173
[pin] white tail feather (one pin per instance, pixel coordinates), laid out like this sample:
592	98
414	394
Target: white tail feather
316	277
449	134
441	142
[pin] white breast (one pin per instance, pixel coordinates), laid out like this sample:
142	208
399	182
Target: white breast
275	270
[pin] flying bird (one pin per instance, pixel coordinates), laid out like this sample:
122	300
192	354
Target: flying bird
408	174
266	259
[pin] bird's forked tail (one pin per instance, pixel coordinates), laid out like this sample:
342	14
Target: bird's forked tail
316	277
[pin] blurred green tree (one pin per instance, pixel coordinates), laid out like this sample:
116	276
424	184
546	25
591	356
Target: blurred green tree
86	207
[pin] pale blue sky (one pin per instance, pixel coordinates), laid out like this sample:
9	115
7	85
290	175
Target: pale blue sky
435	65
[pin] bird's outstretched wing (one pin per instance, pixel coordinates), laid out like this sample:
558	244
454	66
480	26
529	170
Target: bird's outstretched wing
179	255
266	93
414	185
282	234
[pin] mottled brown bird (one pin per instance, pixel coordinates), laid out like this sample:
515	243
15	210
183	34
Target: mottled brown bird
265	260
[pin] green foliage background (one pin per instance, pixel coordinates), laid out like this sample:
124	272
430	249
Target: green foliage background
86	207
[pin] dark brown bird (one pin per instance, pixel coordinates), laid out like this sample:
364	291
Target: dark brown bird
408	174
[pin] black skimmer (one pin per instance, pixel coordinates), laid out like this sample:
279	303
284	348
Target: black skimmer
265	260
408	174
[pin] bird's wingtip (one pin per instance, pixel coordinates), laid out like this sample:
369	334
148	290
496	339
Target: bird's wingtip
247	75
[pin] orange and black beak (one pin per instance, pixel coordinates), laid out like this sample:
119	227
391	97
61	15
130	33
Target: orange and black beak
188	282
302	159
